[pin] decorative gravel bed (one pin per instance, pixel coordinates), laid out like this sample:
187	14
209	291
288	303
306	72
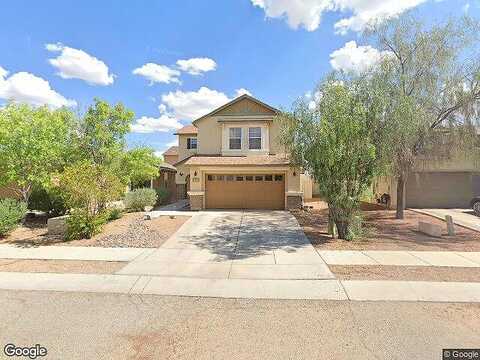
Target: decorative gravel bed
384	232
129	231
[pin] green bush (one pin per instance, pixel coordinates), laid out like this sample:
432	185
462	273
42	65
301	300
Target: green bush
11	213
137	199
48	200
162	195
114	214
81	225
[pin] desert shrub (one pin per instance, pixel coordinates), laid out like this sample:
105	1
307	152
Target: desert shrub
162	195
114	214
82	225
137	199
49	200
11	213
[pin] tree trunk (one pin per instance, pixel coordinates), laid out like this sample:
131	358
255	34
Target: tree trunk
331	225
25	193
341	222
342	227
400	196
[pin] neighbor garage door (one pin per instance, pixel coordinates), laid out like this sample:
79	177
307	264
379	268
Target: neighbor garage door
245	191
441	189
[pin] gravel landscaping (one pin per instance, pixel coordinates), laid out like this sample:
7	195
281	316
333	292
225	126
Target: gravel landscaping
129	231
383	232
406	273
60	266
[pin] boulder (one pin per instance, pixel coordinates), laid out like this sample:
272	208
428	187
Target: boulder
57	225
430	229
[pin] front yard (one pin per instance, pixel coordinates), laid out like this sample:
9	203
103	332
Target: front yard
383	232
131	230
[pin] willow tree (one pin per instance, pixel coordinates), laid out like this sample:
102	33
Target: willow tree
429	81
333	142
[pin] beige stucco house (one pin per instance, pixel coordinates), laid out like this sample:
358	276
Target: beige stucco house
230	158
444	182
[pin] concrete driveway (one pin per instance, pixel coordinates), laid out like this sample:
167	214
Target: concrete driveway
235	245
462	217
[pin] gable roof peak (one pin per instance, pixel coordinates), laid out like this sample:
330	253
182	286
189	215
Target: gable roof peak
234	101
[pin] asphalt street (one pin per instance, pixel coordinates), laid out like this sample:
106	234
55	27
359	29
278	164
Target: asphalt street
113	326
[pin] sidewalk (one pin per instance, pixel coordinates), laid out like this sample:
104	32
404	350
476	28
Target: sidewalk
86	253
401	258
250	289
331	257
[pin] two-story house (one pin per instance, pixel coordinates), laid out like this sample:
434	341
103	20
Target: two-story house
230	159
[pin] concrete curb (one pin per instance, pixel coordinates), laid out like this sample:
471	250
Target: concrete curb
352	290
461	223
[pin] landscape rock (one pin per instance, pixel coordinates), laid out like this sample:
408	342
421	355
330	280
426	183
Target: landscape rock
57	225
430	229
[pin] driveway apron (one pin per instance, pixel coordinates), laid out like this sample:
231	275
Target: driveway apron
236	245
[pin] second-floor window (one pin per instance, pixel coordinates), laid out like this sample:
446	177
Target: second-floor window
191	143
255	138
235	138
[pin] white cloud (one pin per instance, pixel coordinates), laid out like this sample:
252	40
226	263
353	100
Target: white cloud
164	123
368	12
194	104
357	59
77	64
466	7
241	91
27	88
197	66
298	13
308	13
158	73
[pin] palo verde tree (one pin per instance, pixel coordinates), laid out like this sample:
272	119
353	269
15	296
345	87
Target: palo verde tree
33	144
102	132
140	165
429	82
333	143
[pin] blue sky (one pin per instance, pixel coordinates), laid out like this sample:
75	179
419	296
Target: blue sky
277	50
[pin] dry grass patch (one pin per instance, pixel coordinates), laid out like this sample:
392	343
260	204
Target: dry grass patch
405	273
60	266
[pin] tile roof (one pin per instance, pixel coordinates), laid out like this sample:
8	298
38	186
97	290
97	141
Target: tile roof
188	129
167	166
172	150
254	160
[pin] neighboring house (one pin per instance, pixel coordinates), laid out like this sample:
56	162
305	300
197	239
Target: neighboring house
171	155
449	182
230	158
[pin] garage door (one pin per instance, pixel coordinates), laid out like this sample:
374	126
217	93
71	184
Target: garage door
245	191
441	189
